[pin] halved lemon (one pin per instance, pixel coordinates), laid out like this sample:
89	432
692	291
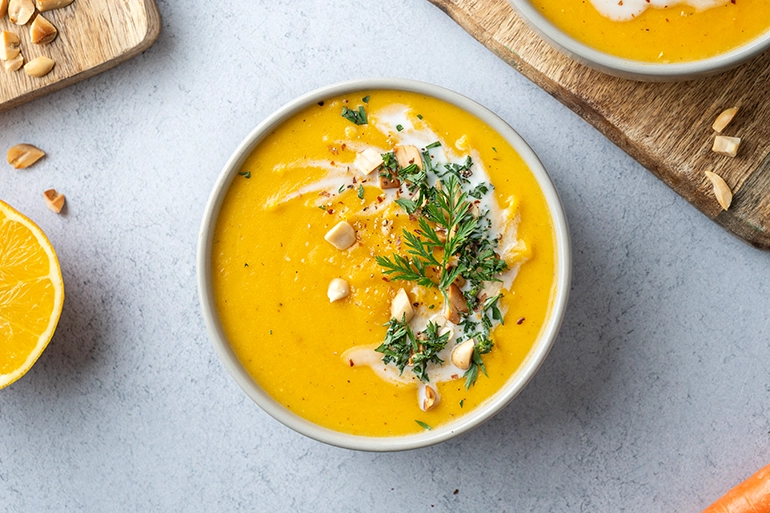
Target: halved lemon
31	293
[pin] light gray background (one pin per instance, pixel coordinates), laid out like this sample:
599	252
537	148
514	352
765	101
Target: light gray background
654	398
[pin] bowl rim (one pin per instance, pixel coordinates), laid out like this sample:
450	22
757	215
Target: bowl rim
632	69
483	412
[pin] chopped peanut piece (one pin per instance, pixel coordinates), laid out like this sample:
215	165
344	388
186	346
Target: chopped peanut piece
368	161
20	11
726	145
721	190
463	353
49	5
24	155
408	154
457	304
338	289
14	64
724	119
42	31
401	306
429	398
342	236
39	67
9	45
54	200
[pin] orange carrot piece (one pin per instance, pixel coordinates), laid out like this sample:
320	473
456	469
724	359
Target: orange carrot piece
750	496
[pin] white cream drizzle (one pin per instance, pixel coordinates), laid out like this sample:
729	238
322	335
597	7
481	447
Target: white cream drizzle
626	10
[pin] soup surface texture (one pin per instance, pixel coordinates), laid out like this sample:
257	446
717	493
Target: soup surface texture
686	30
272	266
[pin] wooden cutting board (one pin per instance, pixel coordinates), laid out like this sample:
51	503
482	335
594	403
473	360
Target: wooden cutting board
94	35
666	127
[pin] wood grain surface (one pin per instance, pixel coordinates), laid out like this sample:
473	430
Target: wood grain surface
94	35
665	126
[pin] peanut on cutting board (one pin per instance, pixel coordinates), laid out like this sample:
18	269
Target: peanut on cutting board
14	64
39	67
49	5
20	11
721	190
42	31
9	45
725	145
724	119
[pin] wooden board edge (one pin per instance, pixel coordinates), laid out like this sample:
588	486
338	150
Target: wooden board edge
731	221
741	219
153	31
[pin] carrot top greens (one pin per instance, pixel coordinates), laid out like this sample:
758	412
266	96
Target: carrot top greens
451	248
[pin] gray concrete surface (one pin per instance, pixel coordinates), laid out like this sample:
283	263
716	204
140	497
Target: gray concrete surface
654	398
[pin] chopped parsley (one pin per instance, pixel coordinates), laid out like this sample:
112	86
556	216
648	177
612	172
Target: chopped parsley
355	116
419	116
245	174
342	188
399	127
361	191
403	347
365	99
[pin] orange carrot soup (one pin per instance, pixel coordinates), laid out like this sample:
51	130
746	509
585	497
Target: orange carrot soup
660	31
383	263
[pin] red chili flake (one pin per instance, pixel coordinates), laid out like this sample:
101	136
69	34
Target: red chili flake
520	321
351	363
330	211
380	199
385	279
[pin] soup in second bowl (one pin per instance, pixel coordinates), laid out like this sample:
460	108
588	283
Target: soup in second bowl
660	31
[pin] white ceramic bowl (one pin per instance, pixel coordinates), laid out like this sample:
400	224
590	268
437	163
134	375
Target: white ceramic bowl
631	69
519	379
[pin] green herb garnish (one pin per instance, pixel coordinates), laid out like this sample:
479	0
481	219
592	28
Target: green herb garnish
423	425
403	347
365	99
245	174
361	191
419	116
342	188
355	116
451	241
399	127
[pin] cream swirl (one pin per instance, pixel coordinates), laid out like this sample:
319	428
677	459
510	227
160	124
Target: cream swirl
626	10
